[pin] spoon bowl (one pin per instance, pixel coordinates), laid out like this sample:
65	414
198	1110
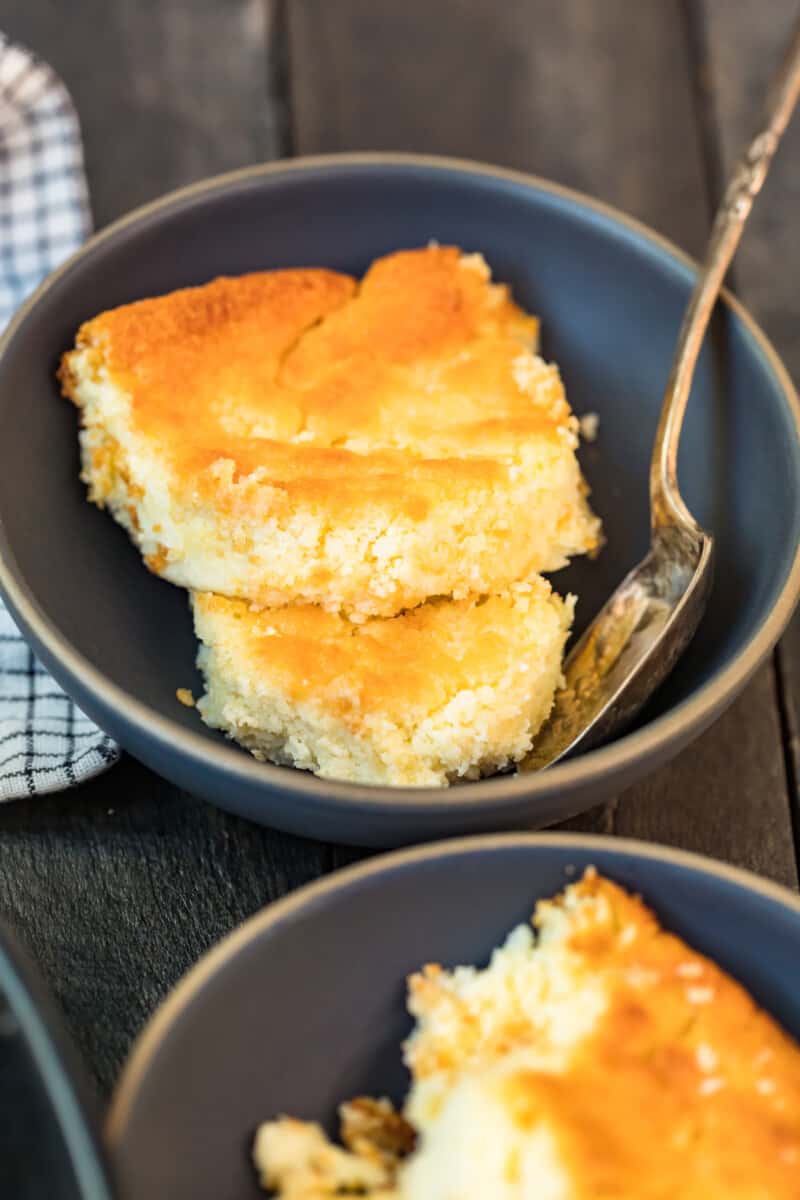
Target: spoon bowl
631	645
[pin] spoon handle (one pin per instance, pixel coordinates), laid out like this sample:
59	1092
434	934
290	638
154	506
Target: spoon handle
748	175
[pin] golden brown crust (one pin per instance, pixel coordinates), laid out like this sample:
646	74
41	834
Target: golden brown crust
292	436
410	663
178	354
688	1088
282	476
684	1088
412	306
678	1088
234	371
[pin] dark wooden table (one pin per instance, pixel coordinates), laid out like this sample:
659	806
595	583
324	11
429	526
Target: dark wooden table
119	887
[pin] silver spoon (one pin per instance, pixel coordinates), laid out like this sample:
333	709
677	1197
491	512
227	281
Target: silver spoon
641	631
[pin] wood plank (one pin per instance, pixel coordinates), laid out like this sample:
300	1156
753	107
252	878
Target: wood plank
118	888
600	97
596	96
741	48
726	795
167	93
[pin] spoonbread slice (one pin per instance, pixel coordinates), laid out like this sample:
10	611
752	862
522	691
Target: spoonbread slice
449	690
298	437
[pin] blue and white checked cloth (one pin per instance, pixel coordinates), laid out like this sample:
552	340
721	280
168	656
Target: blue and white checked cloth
46	743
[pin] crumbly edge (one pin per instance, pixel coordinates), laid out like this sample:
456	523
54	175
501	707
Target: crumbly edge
298	1161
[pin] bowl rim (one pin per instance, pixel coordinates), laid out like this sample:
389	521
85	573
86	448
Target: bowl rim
170	1010
603	763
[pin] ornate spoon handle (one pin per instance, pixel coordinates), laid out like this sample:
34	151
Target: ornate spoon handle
748	176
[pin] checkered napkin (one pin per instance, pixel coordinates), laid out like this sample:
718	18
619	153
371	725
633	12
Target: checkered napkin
46	743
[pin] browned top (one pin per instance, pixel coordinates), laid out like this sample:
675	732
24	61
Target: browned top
685	1088
404	666
185	357
313	377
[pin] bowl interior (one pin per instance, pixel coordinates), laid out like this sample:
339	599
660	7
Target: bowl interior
610	301
305	1006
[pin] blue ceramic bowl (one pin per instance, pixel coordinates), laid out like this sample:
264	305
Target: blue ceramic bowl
304	1006
49	1133
610	294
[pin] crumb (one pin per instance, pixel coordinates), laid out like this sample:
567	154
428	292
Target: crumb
590	425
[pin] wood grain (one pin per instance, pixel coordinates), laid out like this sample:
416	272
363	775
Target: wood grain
726	795
119	887
167	92
741	48
596	96
600	97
